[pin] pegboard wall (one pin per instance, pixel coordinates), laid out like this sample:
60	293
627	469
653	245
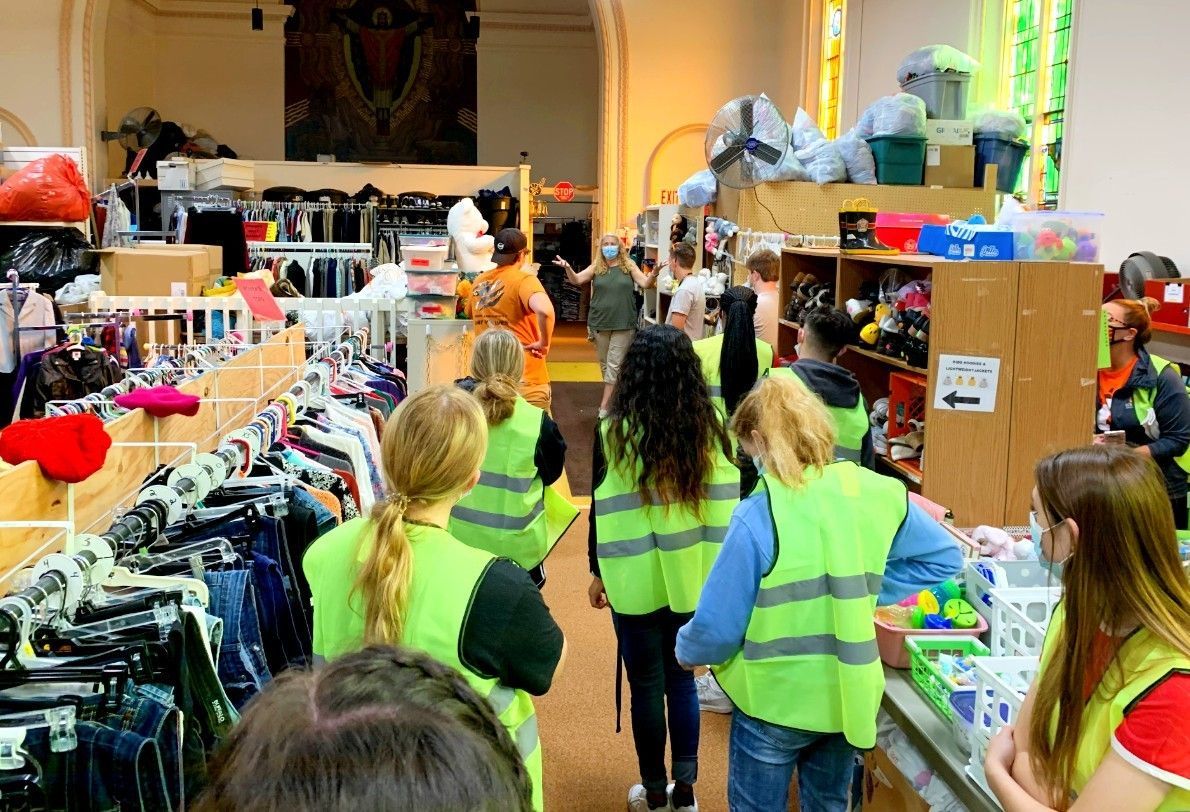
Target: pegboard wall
806	208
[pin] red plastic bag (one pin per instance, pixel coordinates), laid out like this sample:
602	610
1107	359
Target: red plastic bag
50	188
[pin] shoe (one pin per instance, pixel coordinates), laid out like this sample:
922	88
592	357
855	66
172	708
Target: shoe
602	414
711	697
638	800
857	229
670	792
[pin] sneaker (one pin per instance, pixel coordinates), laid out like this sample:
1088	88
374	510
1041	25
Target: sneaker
711	697
638	800
602	414
670	792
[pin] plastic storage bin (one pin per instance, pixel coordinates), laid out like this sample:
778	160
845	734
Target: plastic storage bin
895	653
1013	633
928	678
1000	687
900	159
432	283
1008	155
901	230
1006	575
962	706
433	307
423	257
945	93
1062	236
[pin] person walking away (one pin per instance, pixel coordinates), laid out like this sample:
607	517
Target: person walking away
613	315
731	361
820	341
508	296
1103	725
786	613
513	512
664	489
400	578
1144	396
688	307
764	274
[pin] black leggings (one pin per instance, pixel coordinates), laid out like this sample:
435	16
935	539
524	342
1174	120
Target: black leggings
1180	518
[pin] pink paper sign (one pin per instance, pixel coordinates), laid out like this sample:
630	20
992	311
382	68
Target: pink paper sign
259	299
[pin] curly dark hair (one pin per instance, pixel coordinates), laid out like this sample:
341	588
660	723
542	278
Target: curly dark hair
662	417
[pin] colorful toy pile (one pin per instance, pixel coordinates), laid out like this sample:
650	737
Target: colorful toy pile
941	607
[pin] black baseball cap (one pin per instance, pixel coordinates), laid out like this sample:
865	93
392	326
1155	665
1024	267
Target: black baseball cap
509	243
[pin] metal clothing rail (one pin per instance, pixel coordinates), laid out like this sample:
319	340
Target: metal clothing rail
310	247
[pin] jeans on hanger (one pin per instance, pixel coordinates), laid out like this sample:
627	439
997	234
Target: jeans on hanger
242	667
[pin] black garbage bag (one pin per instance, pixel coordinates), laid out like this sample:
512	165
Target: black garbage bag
49	257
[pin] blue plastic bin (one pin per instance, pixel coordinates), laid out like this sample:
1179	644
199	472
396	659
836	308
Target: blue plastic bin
1008	155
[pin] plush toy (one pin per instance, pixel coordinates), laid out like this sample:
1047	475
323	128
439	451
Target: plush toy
473	245
677	229
666	282
463	304
719	230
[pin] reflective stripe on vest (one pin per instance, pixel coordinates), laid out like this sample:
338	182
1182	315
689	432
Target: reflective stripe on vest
812	621
851	425
1144	661
653	555
709	351
1142	404
505	513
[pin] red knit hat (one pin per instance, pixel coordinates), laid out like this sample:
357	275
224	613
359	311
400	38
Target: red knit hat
160	401
68	448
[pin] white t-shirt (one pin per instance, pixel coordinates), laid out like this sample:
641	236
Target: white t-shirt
690	299
766	317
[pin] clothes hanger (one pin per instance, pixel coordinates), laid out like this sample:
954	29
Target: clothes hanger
193	588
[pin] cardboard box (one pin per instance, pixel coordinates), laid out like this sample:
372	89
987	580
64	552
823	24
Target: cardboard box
224	173
959	241
153	272
175	175
214	255
949	132
886	789
950	167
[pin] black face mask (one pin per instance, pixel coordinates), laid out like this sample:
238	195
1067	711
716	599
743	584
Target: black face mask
1114	340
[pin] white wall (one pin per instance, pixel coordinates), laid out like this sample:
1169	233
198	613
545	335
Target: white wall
1127	119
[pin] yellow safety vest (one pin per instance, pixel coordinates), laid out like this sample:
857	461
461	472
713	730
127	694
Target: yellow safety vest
851	425
709	350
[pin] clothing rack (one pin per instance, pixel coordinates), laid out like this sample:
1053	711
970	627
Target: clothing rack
310	248
18	294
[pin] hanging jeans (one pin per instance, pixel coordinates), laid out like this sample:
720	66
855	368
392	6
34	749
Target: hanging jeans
655	681
243	669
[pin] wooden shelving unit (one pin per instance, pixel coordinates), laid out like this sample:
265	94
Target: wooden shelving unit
656	244
1039	319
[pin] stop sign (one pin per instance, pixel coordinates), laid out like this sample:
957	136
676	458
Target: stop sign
564	191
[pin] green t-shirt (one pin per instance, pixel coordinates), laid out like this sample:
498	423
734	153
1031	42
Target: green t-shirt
613	305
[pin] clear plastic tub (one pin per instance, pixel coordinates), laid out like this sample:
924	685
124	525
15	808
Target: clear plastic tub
423	257
433	307
1057	236
945	93
432	283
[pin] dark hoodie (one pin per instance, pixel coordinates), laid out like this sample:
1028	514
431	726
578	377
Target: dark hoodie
837	387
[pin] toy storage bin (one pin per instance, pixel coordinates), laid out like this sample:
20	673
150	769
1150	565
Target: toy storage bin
928	678
423	257
1062	236
1008	155
894	650
1013	633
944	92
1000	687
900	159
433	307
900	230
1017	575
432	283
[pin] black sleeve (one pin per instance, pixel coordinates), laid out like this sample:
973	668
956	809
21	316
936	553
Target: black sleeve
598	472
509	633
867	453
550	455
1173	416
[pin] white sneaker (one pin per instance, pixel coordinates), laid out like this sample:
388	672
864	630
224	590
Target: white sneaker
711	697
670	792
638	800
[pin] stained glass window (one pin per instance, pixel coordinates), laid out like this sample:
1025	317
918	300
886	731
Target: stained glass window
831	68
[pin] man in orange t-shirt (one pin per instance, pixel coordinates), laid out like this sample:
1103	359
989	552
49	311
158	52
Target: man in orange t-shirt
508	296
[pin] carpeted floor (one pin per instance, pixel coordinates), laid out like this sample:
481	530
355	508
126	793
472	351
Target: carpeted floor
575	408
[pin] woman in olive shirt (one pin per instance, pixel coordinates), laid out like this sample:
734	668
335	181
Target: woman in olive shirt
613	313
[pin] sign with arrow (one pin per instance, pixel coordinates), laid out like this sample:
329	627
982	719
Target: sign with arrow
966	383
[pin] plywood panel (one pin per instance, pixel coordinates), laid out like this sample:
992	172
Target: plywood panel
1054	377
966	457
807	208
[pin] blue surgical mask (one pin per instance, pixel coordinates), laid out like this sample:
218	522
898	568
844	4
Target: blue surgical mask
758	464
1036	532
610	252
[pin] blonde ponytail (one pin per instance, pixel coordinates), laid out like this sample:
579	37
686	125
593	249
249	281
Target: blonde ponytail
431	451
794	426
498	364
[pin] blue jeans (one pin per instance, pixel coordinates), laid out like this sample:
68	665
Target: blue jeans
243	669
655	680
763	758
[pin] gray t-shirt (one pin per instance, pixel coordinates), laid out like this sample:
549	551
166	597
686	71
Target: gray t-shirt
690	299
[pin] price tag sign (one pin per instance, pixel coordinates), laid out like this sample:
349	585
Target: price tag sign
270	234
259	299
258	230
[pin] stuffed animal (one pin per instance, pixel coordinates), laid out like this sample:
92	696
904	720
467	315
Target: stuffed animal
716	284
473	245
719	231
677	229
666	282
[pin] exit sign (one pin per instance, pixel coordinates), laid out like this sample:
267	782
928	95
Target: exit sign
669	197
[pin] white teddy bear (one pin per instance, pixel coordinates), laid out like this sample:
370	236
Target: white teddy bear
473	245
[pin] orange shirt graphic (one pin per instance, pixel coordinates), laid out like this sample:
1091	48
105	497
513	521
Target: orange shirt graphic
500	298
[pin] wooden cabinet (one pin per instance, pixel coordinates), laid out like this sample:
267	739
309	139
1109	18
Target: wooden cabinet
1038	319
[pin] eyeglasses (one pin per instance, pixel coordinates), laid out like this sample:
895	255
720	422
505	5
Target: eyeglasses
1118	326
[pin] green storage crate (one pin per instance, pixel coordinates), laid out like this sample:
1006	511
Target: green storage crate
900	159
923	665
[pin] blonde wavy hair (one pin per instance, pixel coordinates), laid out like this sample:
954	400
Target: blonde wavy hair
498	364
431	449
795	428
601	266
